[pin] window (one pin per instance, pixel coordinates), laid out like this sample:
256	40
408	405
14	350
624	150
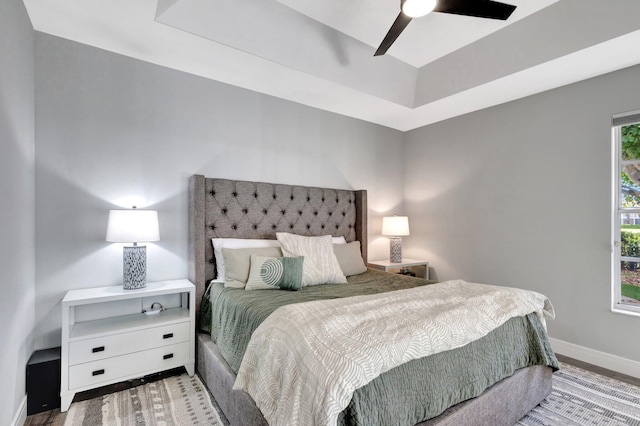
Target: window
626	213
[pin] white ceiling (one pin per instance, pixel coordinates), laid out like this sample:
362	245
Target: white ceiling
424	40
320	53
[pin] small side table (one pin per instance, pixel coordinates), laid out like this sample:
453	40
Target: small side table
107	337
386	265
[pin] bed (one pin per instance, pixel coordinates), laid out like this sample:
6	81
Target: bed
220	208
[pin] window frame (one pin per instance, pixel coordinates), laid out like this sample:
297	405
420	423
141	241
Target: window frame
617	211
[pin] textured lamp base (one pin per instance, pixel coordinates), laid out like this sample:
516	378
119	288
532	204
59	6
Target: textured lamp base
134	268
395	250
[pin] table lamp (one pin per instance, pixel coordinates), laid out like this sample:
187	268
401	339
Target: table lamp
133	226
395	227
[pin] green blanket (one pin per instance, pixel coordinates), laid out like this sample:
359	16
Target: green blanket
397	396
236	312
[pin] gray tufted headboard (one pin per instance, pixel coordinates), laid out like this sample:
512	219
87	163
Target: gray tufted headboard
222	208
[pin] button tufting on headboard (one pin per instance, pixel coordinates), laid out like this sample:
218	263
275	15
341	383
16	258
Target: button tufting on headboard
239	209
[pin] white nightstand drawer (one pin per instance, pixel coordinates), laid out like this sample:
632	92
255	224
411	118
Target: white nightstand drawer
89	350
92	373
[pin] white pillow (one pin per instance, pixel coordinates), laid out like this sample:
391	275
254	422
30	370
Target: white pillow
320	263
338	240
218	243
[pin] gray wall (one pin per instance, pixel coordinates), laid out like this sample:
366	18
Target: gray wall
520	195
17	191
113	132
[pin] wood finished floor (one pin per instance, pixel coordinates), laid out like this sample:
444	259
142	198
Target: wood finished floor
599	370
56	418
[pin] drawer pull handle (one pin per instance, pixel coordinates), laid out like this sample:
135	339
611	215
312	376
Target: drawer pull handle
167	336
98	349
167	356
98	372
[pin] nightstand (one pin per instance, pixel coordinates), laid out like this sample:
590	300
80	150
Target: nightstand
107	337
386	265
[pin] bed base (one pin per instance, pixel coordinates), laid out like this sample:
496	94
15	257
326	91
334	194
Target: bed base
237	406
496	406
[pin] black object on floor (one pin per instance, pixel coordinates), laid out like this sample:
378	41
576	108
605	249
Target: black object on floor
43	381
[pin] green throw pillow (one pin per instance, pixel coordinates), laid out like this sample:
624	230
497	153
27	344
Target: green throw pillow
274	273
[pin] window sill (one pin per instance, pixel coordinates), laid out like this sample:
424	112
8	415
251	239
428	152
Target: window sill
624	309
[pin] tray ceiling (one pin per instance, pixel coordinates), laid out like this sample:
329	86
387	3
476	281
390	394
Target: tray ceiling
320	53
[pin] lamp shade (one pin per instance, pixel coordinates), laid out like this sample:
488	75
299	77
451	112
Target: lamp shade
395	226
133	226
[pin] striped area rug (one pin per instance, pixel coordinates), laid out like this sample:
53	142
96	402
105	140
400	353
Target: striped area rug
580	397
173	401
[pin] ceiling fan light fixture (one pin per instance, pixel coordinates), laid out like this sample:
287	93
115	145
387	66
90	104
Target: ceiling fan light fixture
489	9
418	8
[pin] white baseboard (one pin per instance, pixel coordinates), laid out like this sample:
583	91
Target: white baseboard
601	359
21	414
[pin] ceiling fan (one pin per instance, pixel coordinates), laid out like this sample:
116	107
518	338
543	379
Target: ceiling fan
410	9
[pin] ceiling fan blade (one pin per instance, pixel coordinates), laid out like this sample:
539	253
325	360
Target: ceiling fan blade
398	26
478	8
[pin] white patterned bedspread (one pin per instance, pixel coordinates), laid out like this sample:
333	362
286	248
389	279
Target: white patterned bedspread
305	360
